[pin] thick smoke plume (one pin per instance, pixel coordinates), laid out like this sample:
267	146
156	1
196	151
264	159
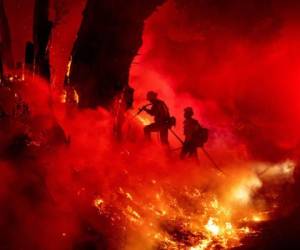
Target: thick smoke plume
51	180
237	60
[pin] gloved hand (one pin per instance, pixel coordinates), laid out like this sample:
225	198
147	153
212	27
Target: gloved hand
144	108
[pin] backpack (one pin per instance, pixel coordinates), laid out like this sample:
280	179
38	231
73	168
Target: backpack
201	136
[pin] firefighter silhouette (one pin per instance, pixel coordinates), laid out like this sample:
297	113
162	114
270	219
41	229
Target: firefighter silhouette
160	112
195	134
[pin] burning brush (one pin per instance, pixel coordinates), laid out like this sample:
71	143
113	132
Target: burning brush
189	217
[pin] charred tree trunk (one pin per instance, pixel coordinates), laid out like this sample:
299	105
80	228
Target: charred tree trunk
42	27
1	71
108	40
5	38
29	56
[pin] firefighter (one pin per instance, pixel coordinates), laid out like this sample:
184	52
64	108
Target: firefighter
194	135
160	112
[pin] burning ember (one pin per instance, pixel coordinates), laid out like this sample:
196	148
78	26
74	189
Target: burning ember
192	218
70	96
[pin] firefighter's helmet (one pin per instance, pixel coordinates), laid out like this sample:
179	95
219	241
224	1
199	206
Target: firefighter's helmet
188	111
151	95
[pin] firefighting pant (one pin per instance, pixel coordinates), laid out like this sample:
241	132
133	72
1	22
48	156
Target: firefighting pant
189	149
156	127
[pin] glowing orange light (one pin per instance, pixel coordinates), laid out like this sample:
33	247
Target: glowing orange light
256	218
69	67
99	203
72	95
63	97
212	227
242	194
144	120
76	96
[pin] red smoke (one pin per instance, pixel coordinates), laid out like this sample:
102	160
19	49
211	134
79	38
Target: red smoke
66	17
238	61
241	78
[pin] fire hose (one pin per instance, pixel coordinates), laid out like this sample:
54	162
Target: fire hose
182	142
204	151
142	109
133	116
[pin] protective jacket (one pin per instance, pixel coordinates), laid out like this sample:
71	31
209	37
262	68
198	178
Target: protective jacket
160	112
